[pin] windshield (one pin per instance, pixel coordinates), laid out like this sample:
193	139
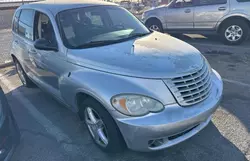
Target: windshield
100	25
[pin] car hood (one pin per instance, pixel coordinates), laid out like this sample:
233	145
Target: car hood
156	55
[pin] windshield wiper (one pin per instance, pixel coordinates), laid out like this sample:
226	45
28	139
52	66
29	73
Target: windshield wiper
108	42
96	43
134	35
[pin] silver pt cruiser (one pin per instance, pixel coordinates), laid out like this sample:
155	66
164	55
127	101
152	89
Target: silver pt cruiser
133	88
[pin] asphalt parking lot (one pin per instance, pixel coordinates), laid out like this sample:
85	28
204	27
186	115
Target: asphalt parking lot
51	132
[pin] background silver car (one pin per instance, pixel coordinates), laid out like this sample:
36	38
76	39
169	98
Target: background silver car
228	18
147	91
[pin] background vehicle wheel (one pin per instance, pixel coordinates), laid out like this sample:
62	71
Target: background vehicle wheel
101	126
22	75
154	25
234	32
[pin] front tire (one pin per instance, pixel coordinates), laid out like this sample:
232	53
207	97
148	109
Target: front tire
154	25
234	32
22	75
101	126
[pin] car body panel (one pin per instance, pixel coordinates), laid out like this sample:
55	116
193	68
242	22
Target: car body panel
156	53
236	10
103	86
159	13
137	66
206	17
173	120
179	18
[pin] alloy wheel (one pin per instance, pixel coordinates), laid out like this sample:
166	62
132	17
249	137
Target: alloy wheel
96	127
154	28
233	33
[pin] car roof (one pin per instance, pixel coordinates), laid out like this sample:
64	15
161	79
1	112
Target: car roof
56	6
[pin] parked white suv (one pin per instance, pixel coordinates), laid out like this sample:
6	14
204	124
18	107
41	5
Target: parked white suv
228	18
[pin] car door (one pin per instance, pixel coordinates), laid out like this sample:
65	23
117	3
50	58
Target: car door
180	15
207	13
47	63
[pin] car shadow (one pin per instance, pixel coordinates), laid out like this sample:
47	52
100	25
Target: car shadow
11	71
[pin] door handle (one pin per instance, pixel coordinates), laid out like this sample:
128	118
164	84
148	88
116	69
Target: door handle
222	8
187	10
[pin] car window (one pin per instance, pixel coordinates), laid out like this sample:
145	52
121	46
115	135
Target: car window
211	2
15	21
43	28
182	3
84	25
25	25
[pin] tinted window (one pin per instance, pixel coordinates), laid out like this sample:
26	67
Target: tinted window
15	21
211	2
25	27
43	28
182	3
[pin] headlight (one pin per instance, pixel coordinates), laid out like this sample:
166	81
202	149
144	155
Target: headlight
136	105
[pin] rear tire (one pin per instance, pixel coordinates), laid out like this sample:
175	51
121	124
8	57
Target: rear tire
155	25
234	32
115	142
23	76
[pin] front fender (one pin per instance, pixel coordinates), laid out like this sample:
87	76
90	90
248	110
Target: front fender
103	86
159	13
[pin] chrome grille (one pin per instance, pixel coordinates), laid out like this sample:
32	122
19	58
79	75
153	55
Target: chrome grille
191	89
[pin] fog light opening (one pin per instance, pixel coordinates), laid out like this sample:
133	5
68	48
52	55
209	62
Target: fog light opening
157	142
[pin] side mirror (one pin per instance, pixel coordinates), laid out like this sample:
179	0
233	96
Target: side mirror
43	44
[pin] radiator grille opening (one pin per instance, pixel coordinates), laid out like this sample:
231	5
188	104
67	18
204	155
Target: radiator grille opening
191	89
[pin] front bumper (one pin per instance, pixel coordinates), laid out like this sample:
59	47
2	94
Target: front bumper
171	126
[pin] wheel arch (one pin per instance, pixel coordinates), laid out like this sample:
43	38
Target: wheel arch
81	96
153	18
13	57
231	18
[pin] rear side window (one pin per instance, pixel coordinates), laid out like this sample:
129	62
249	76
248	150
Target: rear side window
182	3
211	2
25	25
15	21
